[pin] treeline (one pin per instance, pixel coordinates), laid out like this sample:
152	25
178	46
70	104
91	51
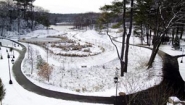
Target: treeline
16	15
59	18
79	20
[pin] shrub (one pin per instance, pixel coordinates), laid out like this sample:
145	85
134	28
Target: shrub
2	91
87	50
45	71
77	90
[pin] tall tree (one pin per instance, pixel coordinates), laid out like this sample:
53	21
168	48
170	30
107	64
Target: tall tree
168	14
128	35
142	19
119	8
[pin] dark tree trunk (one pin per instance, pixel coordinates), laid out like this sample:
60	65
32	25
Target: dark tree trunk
173	35
156	41
156	48
107	27
142	34
150	32
182	31
177	31
2	30
2	27
147	35
123	39
154	52
128	37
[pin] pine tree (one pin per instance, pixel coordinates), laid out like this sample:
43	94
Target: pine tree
176	44
2	91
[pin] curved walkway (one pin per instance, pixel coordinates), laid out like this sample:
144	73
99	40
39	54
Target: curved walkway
25	83
171	85
171	77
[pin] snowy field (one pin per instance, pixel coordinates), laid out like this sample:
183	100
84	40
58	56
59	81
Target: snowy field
16	95
69	76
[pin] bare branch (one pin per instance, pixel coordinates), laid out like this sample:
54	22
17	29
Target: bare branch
115	47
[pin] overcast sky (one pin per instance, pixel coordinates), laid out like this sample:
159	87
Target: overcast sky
71	6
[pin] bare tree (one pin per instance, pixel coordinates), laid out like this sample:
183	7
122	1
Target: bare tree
121	9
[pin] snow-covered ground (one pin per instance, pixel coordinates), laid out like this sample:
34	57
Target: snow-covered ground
69	76
16	95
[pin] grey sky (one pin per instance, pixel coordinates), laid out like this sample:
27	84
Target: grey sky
72	6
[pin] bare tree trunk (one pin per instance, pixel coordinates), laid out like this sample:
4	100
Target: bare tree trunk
173	35
177	31
154	53
142	34
123	38
128	37
155	50
182	31
147	35
156	41
150	32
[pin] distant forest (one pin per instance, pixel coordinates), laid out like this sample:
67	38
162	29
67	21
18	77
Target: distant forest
57	18
71	18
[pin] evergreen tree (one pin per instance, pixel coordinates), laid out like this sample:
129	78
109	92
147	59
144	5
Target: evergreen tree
176	43
2	91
